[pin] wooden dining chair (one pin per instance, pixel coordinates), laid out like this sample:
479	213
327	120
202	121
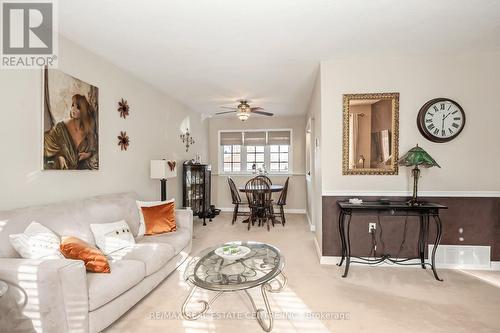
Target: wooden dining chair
270	183
258	193
236	198
266	178
282	201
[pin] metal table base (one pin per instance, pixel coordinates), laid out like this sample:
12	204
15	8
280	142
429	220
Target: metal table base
424	212
264	316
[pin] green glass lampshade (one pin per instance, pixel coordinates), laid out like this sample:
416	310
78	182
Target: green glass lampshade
418	157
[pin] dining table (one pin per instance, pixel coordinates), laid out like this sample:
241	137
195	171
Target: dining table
274	188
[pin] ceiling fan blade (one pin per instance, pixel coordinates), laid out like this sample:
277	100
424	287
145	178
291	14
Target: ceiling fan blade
224	112
228	107
257	108
264	113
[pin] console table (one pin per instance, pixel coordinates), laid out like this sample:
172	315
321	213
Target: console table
423	211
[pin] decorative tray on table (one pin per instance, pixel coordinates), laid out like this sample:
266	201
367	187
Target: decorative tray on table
232	252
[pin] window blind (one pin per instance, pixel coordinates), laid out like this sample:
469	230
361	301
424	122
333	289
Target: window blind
278	138
255	138
231	138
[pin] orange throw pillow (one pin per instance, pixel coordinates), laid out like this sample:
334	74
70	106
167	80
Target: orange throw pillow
159	219
75	248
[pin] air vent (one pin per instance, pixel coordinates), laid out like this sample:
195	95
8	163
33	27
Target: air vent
462	256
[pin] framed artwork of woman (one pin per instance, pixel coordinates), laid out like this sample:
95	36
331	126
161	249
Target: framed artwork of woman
70	123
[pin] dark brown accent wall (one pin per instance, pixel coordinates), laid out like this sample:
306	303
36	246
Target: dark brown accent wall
479	218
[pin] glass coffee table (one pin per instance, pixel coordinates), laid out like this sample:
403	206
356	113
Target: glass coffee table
233	267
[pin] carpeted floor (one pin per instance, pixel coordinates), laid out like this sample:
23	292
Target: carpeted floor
317	299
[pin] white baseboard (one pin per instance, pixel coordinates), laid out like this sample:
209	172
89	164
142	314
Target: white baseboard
295	211
328	260
245	209
318	249
334	260
312	227
495	265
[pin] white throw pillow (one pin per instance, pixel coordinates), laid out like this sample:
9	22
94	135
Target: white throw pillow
140	204
37	241
111	237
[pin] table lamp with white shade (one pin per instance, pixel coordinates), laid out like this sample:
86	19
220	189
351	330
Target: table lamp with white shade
163	170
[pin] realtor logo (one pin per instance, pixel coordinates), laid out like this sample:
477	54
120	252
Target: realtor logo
28	34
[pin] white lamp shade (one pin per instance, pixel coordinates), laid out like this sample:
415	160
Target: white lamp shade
161	170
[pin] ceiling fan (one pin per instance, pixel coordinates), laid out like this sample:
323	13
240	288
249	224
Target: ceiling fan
243	110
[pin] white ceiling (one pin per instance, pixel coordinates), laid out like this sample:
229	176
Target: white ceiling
208	53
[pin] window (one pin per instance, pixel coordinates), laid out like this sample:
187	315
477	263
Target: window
241	151
279	158
232	158
231	143
255	157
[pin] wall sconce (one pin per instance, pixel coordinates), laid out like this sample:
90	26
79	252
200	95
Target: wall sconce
187	139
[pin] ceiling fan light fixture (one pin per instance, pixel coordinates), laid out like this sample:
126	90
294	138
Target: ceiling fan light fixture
243	107
243	110
242	115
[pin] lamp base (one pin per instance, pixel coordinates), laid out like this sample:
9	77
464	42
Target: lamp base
163	190
415	202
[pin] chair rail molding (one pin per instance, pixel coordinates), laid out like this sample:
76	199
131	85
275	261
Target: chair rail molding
467	194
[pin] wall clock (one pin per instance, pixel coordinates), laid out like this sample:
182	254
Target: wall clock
441	120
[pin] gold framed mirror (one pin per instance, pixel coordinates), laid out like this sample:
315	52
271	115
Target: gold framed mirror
370	134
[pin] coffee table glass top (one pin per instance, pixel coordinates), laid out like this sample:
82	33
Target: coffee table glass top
210	271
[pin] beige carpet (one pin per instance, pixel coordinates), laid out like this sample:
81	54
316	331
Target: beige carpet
371	299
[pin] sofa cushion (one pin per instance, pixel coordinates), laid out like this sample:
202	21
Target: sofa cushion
111	237
159	219
124	275
179	239
140	204
153	255
36	242
70	218
94	259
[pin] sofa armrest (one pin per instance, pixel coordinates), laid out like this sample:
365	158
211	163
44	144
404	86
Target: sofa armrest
56	291
184	219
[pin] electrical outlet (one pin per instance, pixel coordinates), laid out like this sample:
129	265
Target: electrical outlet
372	226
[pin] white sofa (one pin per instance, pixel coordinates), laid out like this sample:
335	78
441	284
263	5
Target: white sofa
61	295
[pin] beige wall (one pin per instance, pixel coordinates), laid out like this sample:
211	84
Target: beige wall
313	181
153	126
469	163
221	196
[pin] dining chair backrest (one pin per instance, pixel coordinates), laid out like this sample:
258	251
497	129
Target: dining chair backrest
235	196
266	178
258	192
284	192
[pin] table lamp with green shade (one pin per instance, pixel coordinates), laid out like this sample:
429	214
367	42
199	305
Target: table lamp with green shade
417	157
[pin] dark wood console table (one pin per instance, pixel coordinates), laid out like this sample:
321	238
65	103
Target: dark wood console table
424	212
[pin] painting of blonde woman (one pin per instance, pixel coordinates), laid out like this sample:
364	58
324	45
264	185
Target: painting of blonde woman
70	120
